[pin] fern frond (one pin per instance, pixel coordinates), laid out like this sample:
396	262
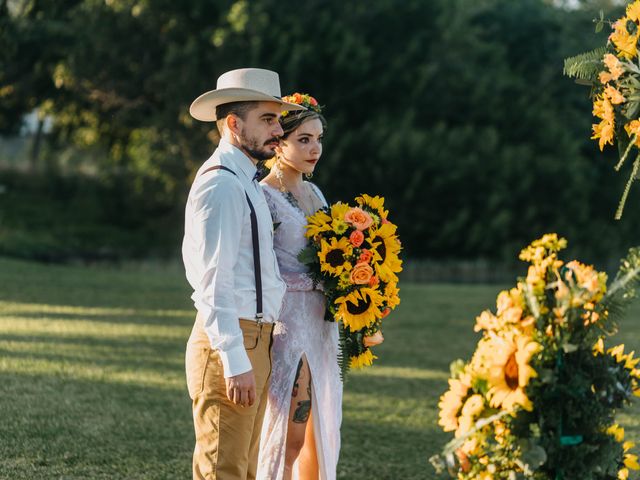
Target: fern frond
585	66
623	289
344	360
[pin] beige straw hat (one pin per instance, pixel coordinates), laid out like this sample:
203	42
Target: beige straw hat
242	85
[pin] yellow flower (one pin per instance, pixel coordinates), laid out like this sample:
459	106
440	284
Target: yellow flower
509	371
365	359
317	223
618	353
391	292
623	474
451	402
616	431
339	227
631	461
604	132
589	279
633	11
603	109
338	211
614	66
345	280
374	203
473	406
386	247
360	308
487	321
542	247
333	255
599	347
625	43
633	128
614	95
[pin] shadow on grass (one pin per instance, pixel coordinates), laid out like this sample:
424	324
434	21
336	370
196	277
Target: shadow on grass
387	452
69	428
135	343
112	360
131	318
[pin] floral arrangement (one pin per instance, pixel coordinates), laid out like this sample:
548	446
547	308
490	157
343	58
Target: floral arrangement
538	398
303	99
613	72
354	252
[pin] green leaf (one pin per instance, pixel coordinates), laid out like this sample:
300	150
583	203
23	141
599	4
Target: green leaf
308	255
585	66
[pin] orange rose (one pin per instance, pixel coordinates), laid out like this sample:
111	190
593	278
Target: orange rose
313	101
356	238
386	312
365	256
374	281
373	340
361	274
357	217
297	98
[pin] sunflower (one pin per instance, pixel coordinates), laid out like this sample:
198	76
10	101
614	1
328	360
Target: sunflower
624	41
338	211
374	203
360	308
391	292
385	246
365	359
334	255
451	402
317	223
509	371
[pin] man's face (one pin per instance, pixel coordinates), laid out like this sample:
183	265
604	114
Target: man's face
260	130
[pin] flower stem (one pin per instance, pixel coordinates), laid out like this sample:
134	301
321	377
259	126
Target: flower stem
623	200
632	141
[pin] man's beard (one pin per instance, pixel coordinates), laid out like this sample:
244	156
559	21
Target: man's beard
256	151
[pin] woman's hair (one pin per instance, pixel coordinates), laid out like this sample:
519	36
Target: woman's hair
293	120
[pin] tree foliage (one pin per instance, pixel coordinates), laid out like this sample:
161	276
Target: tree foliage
456	111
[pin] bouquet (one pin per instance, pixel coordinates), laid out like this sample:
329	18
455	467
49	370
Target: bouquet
613	72
353	251
539	396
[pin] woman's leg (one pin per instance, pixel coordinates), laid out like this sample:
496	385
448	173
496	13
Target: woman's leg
299	413
308	461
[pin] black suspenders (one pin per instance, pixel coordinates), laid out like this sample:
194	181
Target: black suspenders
256	246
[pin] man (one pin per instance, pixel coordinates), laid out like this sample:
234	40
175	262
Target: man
230	263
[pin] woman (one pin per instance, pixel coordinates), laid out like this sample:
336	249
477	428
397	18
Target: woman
302	422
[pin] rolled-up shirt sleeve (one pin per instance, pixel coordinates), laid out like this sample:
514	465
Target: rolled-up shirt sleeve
219	212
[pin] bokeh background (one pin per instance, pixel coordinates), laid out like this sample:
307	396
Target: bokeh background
456	111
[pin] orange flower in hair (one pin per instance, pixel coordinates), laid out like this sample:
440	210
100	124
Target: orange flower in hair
303	99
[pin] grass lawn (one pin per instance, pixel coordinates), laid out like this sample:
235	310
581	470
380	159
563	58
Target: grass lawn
92	376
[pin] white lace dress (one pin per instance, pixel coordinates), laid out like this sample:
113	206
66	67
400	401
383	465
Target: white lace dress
301	330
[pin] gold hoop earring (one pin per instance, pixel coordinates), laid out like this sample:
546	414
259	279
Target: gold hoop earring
279	173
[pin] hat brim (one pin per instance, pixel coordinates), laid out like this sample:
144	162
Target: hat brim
203	108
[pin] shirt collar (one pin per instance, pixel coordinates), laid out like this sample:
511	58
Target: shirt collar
239	158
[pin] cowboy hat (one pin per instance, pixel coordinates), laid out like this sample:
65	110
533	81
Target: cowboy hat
242	85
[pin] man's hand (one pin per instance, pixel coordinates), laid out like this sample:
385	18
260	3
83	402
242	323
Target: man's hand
241	389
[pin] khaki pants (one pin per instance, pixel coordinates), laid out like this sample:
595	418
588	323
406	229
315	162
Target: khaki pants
227	435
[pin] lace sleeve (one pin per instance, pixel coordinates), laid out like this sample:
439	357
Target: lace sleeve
298	282
271	203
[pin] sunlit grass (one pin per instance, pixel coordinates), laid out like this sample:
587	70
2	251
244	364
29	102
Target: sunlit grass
92	376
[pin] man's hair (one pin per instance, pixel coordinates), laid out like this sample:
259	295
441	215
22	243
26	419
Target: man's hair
237	108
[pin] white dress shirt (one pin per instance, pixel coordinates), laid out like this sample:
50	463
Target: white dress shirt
217	251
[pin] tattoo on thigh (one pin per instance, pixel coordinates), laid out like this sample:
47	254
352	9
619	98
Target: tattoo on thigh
294	392
301	415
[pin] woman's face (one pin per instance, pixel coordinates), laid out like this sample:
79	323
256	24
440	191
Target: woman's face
301	150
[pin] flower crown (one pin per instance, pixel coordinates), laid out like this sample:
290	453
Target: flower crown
303	99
